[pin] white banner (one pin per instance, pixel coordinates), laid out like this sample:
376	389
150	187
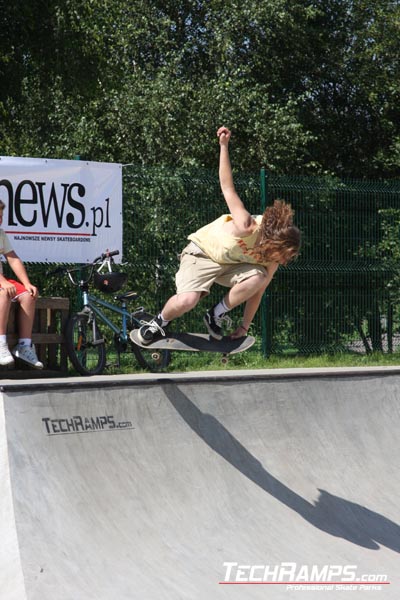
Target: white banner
67	211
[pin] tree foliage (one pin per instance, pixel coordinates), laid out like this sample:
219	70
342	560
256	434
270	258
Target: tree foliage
309	87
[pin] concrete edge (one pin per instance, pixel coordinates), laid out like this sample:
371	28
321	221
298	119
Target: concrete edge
12	582
34	385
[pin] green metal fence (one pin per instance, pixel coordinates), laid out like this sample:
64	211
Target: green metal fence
342	293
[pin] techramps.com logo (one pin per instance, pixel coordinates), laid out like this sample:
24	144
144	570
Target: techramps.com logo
297	577
79	424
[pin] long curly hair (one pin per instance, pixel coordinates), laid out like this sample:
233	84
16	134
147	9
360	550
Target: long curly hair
280	240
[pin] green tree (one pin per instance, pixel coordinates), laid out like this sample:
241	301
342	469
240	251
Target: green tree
306	86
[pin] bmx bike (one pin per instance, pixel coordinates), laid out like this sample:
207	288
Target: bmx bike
86	345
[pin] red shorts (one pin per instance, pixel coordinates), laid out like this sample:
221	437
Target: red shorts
19	287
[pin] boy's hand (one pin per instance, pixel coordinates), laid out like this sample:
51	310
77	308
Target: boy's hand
32	290
224	135
238	333
8	288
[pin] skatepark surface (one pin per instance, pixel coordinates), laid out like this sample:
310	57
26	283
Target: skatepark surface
268	484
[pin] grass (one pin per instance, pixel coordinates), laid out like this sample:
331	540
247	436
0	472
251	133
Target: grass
254	359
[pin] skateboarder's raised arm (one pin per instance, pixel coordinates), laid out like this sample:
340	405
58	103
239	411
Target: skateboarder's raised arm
243	221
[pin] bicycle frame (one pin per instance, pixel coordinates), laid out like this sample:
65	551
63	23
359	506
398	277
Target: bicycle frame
90	301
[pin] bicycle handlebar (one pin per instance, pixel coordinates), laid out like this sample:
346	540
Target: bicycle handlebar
69	270
107	254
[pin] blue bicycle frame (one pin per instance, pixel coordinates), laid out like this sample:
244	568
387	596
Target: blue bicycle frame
89	301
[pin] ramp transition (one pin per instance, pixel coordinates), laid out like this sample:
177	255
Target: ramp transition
254	485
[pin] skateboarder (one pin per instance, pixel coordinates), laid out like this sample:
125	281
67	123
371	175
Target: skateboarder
238	251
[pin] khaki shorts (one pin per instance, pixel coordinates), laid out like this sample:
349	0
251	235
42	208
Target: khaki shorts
197	272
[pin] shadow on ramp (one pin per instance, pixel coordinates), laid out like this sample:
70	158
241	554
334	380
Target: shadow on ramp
331	514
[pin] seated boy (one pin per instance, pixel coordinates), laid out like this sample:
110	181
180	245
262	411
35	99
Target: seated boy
25	294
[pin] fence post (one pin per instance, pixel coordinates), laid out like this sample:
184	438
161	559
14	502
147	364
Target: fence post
265	343
389	327
79	296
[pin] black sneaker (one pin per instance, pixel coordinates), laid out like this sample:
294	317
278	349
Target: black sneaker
214	324
151	331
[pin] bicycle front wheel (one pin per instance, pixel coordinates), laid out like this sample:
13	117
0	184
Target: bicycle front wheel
85	349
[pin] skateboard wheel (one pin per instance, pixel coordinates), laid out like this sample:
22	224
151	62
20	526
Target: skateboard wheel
224	360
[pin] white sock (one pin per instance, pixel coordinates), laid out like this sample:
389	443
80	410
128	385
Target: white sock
220	309
3	339
164	321
24	342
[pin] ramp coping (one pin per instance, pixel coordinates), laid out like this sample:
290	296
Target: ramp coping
141	379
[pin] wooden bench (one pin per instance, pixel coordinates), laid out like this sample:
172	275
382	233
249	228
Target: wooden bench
48	336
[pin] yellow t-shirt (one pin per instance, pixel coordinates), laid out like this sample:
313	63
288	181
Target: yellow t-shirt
222	247
5	246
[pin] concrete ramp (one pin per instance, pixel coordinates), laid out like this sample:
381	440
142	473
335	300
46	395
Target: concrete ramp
258	485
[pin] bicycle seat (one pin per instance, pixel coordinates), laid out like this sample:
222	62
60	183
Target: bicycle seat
126	296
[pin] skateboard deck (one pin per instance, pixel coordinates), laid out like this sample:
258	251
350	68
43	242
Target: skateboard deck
196	342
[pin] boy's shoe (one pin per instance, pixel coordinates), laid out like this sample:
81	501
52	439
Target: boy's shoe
151	331
28	355
214	324
6	358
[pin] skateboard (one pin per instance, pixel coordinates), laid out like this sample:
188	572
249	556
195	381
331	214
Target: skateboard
197	342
